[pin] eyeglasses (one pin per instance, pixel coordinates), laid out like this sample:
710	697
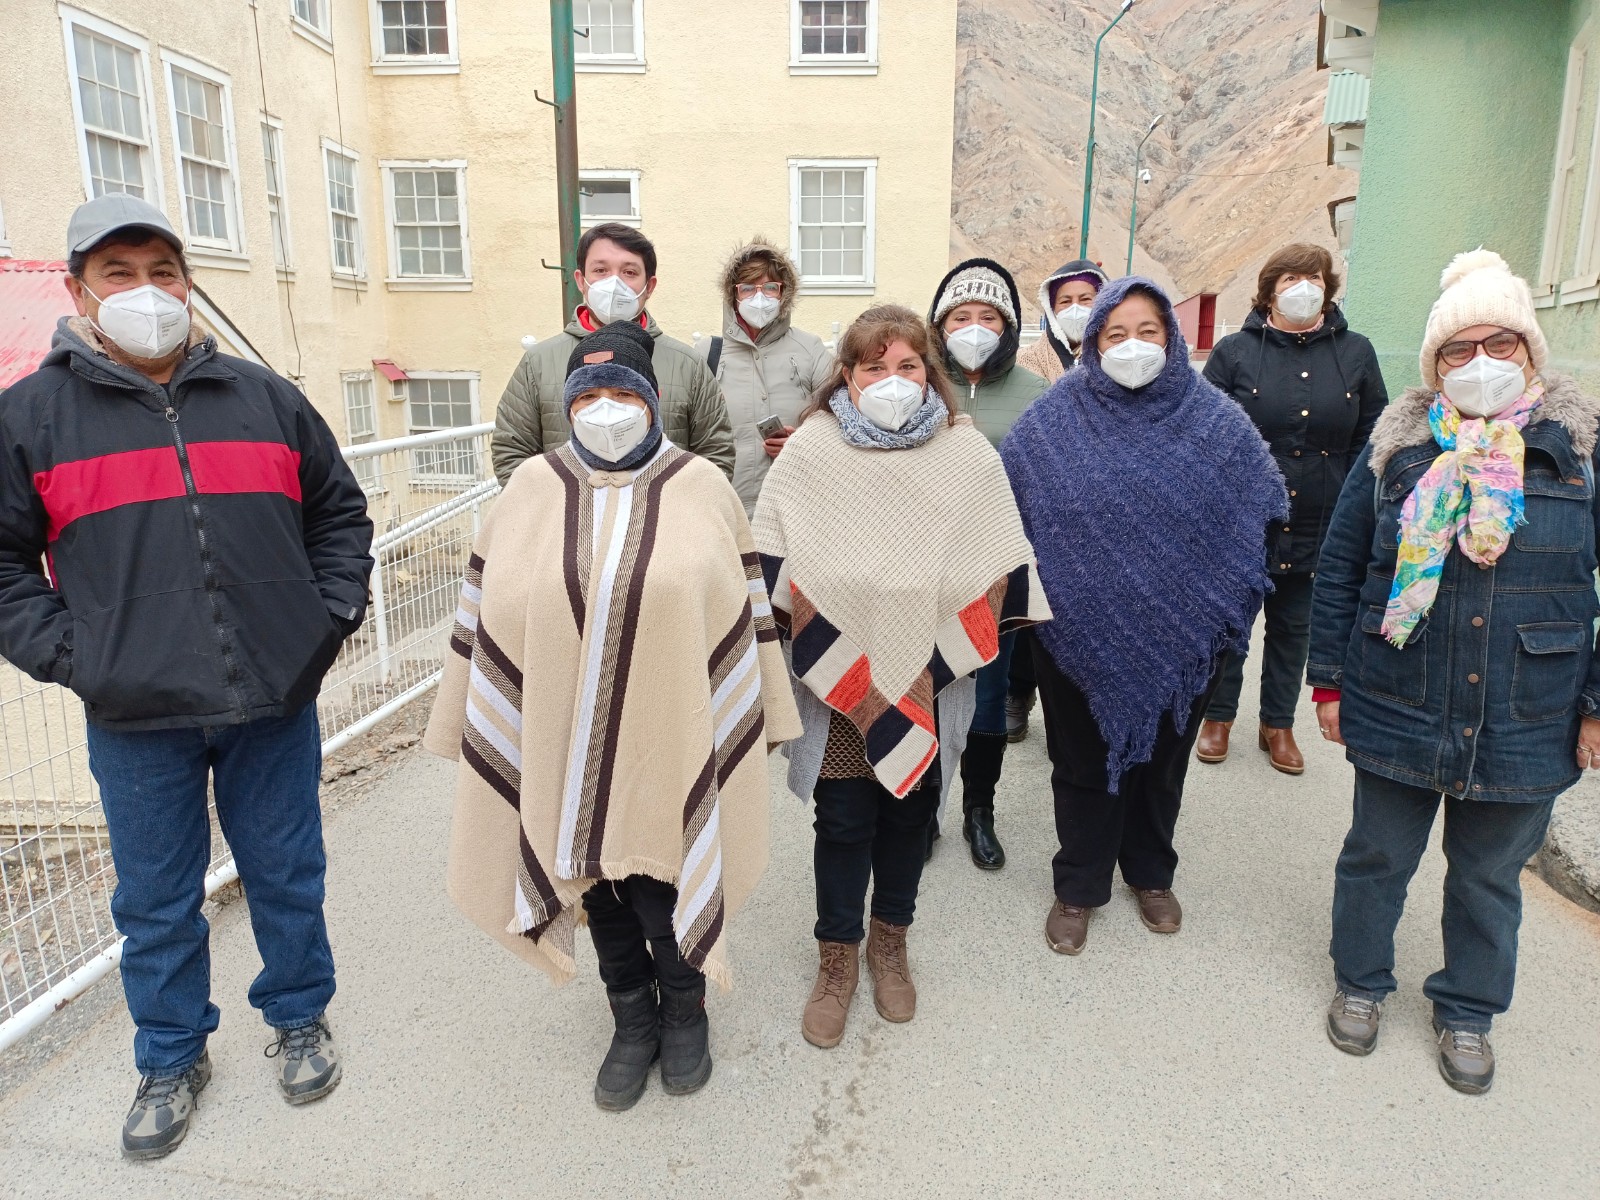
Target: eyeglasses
1497	345
747	290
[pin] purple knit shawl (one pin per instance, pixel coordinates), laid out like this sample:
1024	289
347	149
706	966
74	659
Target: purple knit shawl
1148	512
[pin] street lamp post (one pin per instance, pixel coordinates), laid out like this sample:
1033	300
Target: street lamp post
1088	155
1133	217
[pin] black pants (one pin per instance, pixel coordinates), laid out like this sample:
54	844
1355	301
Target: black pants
630	922
1283	657
864	833
1023	684
1100	831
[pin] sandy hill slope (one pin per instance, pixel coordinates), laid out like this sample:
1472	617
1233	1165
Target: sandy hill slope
1237	165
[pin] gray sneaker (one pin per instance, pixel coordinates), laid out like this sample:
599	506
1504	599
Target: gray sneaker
159	1118
1466	1060
310	1066
1353	1023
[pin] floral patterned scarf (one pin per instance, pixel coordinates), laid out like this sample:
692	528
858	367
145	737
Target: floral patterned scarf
1471	496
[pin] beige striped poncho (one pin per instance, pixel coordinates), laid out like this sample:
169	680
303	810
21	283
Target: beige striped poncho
895	573
613	685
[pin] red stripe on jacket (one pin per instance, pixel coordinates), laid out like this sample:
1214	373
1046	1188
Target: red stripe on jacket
95	485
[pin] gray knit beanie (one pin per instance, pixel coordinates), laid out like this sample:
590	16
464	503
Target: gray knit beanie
976	285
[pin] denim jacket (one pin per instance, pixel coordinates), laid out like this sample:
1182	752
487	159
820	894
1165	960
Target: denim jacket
1484	699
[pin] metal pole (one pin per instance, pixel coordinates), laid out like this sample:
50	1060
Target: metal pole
566	113
1133	218
1088	155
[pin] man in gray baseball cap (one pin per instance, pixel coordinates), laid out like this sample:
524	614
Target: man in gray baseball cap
209	553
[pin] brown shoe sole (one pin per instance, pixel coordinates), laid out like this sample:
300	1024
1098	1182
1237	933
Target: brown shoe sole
820	1042
1161	927
1062	947
1211	758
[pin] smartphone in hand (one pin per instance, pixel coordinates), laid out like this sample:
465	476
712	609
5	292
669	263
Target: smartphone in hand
770	427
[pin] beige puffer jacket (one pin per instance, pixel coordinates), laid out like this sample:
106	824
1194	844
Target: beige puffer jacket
774	374
532	419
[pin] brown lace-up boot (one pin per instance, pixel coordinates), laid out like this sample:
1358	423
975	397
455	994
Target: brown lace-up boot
892	990
829	1006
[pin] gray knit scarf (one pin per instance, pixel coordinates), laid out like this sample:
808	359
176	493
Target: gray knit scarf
862	433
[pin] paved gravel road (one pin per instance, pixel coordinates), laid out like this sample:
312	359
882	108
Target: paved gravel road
1150	1066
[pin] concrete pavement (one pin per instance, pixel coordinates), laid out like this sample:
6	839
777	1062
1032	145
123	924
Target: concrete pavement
1183	1066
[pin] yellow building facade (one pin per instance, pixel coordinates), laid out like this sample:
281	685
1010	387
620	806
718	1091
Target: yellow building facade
363	183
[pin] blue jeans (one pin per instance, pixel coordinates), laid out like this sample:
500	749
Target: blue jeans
1486	844
153	789
994	681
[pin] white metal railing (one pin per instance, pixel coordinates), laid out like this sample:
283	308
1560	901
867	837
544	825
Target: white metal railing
426	496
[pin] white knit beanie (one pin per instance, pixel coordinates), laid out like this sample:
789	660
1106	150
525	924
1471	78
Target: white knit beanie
1478	288
976	285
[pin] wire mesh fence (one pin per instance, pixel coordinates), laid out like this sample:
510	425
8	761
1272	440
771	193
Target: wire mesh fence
427	496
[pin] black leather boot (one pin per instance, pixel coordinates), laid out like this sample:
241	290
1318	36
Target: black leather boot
685	1038
981	764
634	1047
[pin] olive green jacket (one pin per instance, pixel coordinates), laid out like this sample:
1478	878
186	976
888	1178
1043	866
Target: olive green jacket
994	404
532	418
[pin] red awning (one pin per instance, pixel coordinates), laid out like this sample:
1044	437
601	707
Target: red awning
33	297
389	371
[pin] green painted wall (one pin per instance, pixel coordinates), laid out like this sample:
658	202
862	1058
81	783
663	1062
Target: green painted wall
1461	134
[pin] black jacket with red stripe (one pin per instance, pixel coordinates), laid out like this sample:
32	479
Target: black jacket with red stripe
207	542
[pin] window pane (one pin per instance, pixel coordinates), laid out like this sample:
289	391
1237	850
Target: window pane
602	198
831	231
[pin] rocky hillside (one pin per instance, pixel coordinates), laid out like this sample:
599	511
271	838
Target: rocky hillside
1237	164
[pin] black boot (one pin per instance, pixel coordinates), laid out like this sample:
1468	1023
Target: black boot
1019	704
635	1045
685	1038
933	836
981	764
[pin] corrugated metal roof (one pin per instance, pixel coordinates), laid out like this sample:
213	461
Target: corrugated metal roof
1348	92
33	297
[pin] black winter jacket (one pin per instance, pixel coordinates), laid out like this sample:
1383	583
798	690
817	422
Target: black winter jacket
207	544
1315	398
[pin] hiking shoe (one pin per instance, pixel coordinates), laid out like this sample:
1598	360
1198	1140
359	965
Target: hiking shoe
309	1069
159	1118
1066	927
635	1045
1353	1023
1466	1060
1159	910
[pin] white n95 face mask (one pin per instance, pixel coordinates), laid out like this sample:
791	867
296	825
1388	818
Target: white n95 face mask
1485	386
972	345
611	300
1073	319
144	321
610	429
1301	302
1134	363
759	310
890	403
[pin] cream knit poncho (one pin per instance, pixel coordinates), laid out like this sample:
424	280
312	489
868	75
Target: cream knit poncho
895	572
613	684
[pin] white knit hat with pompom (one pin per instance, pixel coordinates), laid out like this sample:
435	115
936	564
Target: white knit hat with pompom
1478	288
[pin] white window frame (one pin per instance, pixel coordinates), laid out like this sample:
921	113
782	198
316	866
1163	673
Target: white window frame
72	19
340	275
1570	274
833	64
613	64
366	470
210	252
397	282
319	35
414	64
867	285
286	267
610	176
422	477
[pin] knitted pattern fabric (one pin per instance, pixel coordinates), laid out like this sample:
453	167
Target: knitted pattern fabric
975	282
613	681
894	574
1471	495
1478	288
618	356
864	435
1148	510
